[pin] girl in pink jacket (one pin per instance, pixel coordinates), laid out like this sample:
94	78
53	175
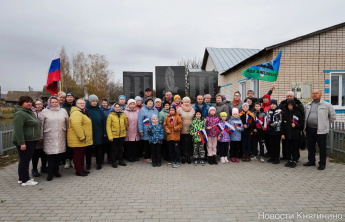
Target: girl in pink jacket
132	138
212	135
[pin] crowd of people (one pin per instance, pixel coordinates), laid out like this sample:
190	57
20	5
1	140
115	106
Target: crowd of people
70	132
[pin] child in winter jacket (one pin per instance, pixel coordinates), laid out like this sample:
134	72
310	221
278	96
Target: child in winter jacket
292	126
258	133
235	137
156	133
212	134
198	124
173	126
223	139
274	120
248	122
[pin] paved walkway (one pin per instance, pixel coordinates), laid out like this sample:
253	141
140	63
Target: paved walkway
139	192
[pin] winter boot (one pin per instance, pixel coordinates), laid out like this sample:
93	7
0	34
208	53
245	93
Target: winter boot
215	160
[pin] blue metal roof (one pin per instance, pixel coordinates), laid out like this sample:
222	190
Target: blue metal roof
226	58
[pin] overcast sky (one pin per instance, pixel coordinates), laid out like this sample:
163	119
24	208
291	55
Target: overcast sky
139	35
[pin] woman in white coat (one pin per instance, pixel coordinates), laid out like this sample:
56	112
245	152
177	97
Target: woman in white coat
53	132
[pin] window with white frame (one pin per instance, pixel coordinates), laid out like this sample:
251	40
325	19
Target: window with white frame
254	85
226	90
242	90
337	90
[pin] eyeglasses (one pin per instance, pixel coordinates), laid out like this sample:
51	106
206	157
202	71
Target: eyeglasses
38	104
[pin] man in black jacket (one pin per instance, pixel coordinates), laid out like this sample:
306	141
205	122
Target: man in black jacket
299	107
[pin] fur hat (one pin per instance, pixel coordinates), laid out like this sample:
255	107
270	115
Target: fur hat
92	98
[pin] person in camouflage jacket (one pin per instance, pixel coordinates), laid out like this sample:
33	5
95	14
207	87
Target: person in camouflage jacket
197	124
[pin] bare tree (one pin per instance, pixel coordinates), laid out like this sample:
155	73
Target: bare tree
189	63
114	90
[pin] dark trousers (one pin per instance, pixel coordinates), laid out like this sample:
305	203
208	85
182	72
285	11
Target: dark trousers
246	144
258	139
186	145
174	149
235	149
285	150
78	158
140	148
107	150
223	148
53	163
165	150
24	159
267	143
156	152
131	149
292	149
88	154
99	153
116	149
321	140
275	146
147	149
39	153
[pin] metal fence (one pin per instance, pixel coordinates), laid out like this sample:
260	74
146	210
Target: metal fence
6	133
335	141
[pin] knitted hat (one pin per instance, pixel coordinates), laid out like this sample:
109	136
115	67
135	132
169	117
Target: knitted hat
154	116
121	96
274	101
158	100
137	98
245	104
211	108
234	111
148	99
198	111
267	96
131	101
177	96
223	114
92	98
172	106
70	94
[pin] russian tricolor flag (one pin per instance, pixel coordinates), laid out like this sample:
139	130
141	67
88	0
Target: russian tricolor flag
295	119
54	75
249	120
219	128
229	129
238	126
265	123
259	121
203	136
171	120
146	121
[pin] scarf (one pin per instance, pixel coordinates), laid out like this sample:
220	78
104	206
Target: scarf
186	108
266	106
235	102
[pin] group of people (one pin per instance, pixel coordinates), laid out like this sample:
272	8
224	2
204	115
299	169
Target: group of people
70	132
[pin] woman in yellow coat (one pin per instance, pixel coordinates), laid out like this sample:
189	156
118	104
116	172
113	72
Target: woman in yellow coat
116	131
79	135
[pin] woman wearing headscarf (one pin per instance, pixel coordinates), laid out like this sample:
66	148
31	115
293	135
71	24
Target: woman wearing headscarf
39	153
79	135
133	137
26	133
53	132
98	132
186	113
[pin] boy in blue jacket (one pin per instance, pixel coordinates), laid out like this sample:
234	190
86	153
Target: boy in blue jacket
156	133
235	137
